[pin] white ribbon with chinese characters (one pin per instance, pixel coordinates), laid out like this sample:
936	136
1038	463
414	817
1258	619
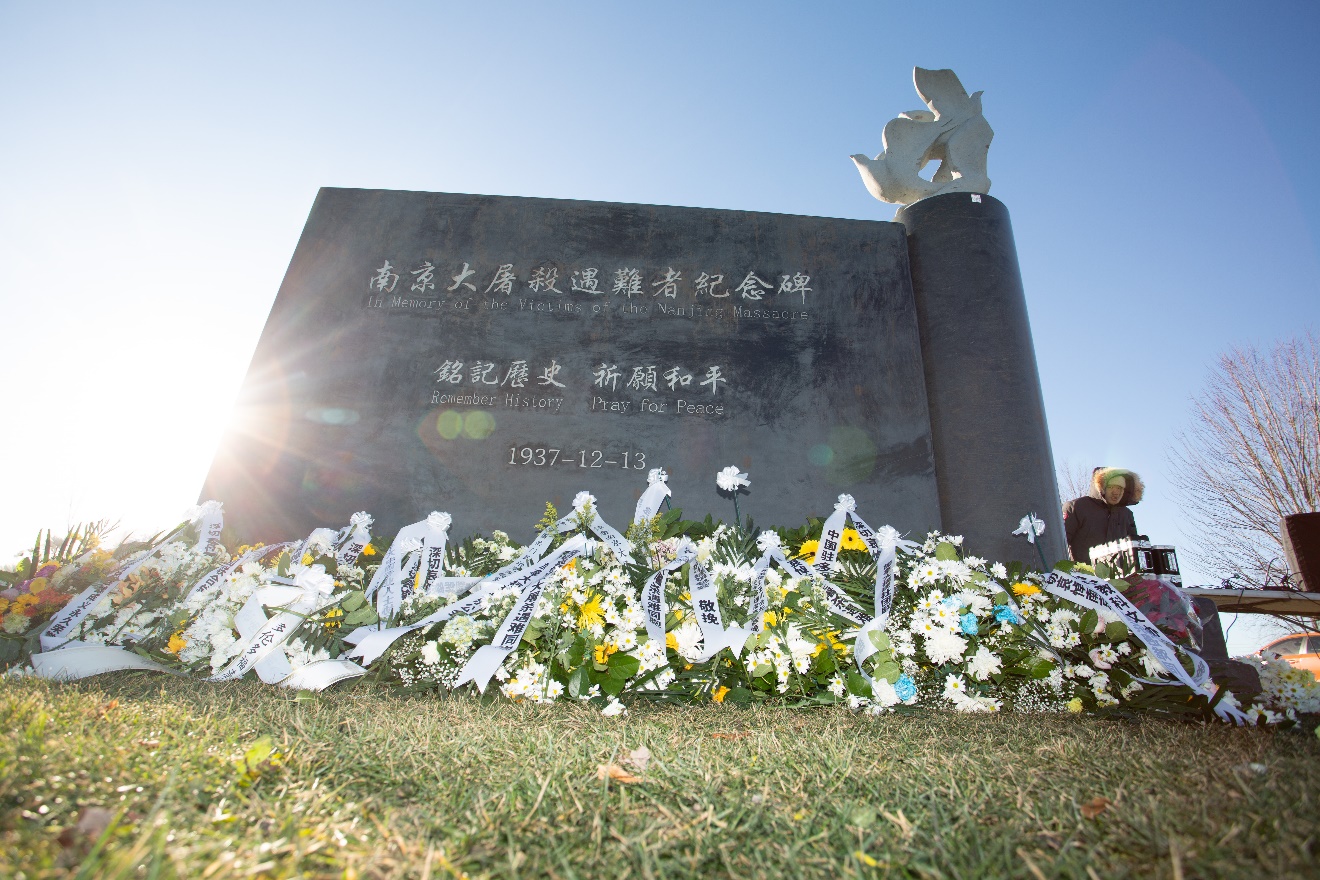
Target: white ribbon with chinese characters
883	546
482	665
653	593
310	590
212	578
353	538
371	642
210	519
535	551
1100	595
422	543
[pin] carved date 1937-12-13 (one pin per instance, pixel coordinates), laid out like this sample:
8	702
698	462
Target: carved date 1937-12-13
544	456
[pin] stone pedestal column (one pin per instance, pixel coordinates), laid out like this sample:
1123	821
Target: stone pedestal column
993	462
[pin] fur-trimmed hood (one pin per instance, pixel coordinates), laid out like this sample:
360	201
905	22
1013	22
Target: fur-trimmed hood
1132	495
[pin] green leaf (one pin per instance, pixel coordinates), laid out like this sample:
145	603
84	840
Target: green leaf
1103	571
946	552
739	696
353	600
889	671
762	669
880	639
856	684
579	682
1116	631
1089	621
612	686
623	666
363	616
577	651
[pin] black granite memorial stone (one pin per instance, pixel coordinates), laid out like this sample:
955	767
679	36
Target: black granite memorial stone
483	355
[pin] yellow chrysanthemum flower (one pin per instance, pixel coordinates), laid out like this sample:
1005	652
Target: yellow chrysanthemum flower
1075	705
308	559
332	618
590	612
1021	589
4	604
37	585
368	551
177	643
604	651
809	548
771	618
671	641
720	694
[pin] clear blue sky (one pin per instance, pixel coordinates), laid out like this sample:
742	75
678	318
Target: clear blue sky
159	161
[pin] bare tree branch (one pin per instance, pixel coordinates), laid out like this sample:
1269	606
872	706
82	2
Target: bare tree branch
1251	457
1074	480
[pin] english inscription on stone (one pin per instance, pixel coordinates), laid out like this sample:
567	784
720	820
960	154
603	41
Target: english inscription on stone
483	355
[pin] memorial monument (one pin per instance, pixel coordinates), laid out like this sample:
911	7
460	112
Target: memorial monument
483	355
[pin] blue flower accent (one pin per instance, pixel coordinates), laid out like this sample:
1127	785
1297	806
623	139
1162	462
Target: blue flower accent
905	688
951	602
1004	614
968	622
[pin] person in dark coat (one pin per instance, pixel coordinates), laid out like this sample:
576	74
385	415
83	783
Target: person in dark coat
1104	515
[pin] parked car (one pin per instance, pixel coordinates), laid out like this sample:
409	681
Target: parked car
1301	650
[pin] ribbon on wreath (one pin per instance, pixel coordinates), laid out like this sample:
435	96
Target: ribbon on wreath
353	538
482	665
1100	595
213	578
373	640
75	660
883	547
657	490
309	591
715	636
653	592
397	577
583	502
209	518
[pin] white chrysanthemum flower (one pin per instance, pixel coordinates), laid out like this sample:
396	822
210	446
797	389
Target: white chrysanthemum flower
688	637
837	687
998	571
944	646
614	708
1064	616
584	500
984	663
884	693
768	540
800	649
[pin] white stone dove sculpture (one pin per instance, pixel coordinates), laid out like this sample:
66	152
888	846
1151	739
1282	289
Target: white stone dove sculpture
952	131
